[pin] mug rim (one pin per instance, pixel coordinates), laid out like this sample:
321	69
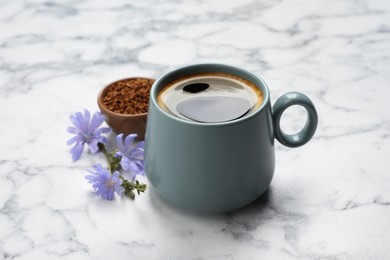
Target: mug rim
262	86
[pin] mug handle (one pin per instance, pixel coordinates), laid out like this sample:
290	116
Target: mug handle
302	137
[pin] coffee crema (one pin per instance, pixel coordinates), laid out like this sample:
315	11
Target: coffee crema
210	97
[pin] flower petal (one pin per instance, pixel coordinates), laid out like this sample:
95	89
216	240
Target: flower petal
102	171
110	194
119	142
140	167
73	140
97	120
129	141
90	178
103	140
140	145
137	153
125	163
76	151
104	130
72	130
87	118
134	167
93	146
118	183
118	154
75	120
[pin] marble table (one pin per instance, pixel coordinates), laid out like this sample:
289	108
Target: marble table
329	199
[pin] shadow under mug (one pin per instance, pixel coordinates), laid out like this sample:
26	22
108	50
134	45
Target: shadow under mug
218	167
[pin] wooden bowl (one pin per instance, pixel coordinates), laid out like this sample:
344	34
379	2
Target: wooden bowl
123	123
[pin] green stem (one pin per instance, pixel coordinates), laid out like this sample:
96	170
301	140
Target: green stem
113	162
131	186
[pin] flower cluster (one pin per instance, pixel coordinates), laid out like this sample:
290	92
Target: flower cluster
126	159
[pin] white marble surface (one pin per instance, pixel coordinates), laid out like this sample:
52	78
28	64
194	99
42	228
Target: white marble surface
329	199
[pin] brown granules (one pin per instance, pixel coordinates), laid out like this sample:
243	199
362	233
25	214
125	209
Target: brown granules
129	96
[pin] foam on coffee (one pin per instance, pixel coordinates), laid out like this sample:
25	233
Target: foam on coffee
209	97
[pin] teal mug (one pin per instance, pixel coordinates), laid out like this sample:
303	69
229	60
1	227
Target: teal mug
217	167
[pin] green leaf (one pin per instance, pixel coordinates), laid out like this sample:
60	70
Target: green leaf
130	194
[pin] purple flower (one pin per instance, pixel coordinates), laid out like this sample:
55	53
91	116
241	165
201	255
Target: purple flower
104	183
131	156
87	132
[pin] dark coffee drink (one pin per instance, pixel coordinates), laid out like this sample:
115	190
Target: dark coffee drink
210	97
